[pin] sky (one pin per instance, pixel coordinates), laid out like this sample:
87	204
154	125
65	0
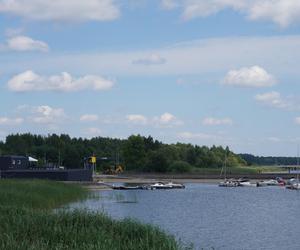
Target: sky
206	72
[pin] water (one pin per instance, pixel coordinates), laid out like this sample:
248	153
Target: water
212	217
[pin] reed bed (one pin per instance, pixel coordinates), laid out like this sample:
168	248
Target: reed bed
28	221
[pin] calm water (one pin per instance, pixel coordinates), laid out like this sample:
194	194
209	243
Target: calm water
212	217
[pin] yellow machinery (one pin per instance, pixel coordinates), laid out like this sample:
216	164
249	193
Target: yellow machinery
114	170
90	162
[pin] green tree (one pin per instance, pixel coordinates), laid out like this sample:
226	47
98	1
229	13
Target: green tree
134	152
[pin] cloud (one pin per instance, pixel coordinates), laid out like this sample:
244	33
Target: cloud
275	100
169	4
12	32
30	81
67	10
93	131
137	119
281	12
281	54
167	120
10	121
25	43
273	139
202	136
211	121
297	120
89	118
47	115
153	59
249	77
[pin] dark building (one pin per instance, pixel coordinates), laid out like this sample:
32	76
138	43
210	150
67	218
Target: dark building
13	162
22	167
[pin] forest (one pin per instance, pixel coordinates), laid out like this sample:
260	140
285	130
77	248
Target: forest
253	160
136	153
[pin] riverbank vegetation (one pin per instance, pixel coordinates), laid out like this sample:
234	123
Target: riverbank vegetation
28	221
136	153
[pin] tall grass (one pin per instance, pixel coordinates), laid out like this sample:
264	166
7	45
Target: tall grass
28	221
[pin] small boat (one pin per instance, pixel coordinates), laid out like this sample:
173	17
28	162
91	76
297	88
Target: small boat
170	185
228	183
175	185
293	184
244	182
126	187
272	182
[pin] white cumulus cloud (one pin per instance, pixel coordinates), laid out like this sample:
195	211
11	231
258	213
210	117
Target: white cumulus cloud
211	121
11	121
249	77
30	81
153	59
25	43
47	115
137	119
66	10
89	118
275	100
167	120
281	12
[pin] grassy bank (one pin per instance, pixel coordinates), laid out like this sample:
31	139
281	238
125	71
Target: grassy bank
28	221
238	170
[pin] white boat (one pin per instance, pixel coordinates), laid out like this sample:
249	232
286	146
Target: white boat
271	182
246	184
228	183
294	186
170	185
293	183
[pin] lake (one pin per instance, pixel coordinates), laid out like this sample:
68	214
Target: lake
209	216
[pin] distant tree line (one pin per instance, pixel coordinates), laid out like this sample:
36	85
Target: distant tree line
268	160
136	153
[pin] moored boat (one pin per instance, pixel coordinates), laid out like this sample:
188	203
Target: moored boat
170	185
228	183
293	184
272	182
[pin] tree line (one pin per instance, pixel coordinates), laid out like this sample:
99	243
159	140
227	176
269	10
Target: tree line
136	153
268	160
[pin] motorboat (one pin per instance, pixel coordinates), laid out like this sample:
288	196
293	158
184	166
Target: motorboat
126	187
244	182
228	183
175	185
272	182
293	184
170	185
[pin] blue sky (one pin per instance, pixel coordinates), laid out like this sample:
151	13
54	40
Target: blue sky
206	72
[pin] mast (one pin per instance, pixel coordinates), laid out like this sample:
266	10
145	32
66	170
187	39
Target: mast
297	162
225	167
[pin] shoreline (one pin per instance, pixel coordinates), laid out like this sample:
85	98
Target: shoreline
102	182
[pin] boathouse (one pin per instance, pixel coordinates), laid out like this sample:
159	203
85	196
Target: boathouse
22	167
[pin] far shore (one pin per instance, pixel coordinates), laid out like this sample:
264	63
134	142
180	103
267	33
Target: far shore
100	181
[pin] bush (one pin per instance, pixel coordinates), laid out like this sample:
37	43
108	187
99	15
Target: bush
180	167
